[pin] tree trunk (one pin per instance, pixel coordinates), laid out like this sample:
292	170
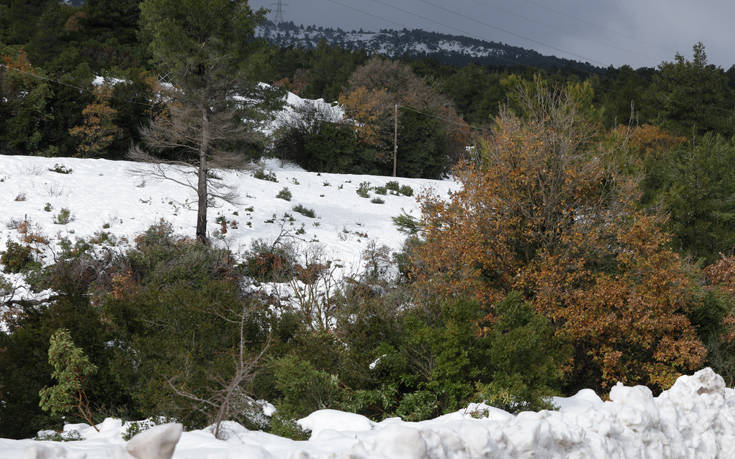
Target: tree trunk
202	182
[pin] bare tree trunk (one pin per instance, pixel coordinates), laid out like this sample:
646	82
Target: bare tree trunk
202	182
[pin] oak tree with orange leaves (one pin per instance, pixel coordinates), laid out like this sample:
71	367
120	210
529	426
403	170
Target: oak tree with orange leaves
544	212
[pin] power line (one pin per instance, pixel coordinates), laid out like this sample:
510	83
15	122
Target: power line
446	120
586	21
68	85
510	32
463	32
559	29
367	13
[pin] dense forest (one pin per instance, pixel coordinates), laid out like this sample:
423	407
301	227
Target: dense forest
591	242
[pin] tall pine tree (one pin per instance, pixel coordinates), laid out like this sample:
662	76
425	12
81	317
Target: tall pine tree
206	50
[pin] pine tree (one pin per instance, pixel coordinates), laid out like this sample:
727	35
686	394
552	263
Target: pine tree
206	48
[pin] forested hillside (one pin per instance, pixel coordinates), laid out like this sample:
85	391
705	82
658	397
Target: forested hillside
579	232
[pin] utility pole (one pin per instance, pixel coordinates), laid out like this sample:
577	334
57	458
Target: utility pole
395	138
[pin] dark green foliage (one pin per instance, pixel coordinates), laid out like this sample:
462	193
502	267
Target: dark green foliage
693	96
16	257
287	428
24	368
325	146
304	388
425	146
174	307
406	223
524	357
72	370
695	184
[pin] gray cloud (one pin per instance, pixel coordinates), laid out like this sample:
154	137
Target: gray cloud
634	32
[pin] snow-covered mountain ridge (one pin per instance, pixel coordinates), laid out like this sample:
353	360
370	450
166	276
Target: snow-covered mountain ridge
449	49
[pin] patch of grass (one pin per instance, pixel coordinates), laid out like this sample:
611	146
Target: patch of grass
377	201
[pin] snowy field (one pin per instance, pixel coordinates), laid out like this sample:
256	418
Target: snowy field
116	198
693	419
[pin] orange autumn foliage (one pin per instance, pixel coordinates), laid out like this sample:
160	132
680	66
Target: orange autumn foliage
541	212
98	130
721	275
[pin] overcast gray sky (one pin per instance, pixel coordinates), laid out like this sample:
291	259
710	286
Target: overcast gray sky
615	32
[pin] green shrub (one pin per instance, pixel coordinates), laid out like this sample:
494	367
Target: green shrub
418	406
261	174
304	388
381	190
406	223
304	211
63	217
406	190
392	185
16	257
269	263
72	368
60	169
377	201
524	356
287	428
363	190
284	194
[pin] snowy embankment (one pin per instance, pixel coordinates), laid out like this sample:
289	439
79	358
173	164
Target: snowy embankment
693	419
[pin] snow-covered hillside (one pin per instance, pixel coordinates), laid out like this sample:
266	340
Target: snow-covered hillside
693	419
122	199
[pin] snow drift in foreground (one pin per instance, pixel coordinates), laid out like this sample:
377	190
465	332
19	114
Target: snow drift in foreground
695	418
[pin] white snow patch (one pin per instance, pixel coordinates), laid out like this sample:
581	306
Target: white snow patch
695	418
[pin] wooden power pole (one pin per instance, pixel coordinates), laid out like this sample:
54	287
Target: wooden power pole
395	138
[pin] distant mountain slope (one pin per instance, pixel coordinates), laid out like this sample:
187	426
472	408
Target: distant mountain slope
450	49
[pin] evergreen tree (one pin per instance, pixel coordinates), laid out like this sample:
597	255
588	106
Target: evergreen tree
693	96
206	49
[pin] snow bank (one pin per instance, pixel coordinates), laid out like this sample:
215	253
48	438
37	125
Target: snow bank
693	419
